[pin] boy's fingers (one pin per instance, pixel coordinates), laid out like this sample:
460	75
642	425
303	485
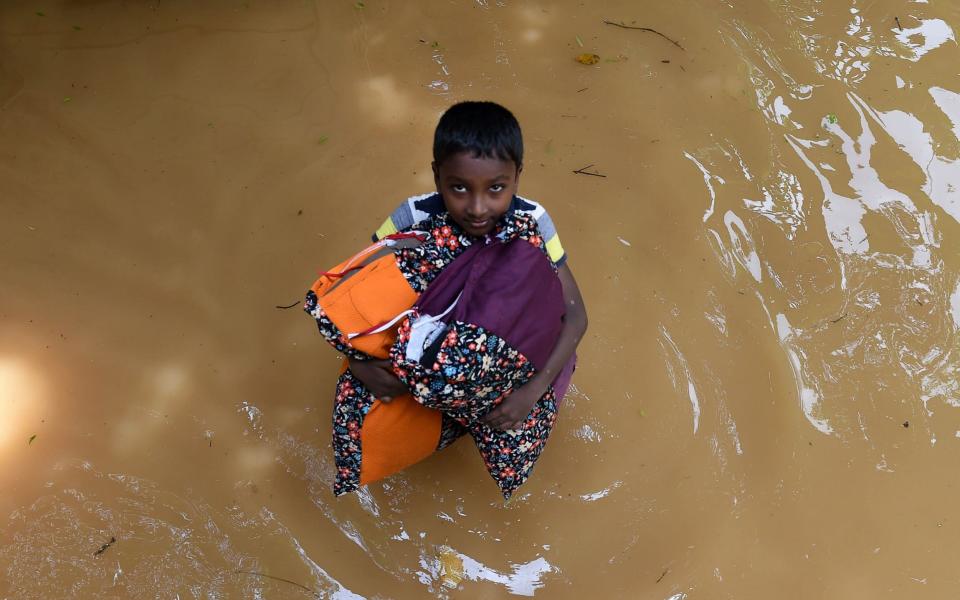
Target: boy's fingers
497	420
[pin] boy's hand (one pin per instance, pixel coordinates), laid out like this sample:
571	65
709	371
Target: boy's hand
378	376
513	411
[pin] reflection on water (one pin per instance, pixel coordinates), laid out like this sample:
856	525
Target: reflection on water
163	542
766	403
675	361
22	401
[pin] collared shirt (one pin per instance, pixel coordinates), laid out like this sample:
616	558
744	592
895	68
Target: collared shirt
417	209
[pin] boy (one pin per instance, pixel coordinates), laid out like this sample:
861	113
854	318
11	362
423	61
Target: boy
477	161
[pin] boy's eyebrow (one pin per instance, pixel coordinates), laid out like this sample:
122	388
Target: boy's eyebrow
452	177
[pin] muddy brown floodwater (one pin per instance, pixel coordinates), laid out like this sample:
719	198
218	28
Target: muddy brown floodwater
768	399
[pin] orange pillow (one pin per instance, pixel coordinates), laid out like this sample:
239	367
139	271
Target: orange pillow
358	296
395	436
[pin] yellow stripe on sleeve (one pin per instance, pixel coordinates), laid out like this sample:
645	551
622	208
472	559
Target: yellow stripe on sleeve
555	248
388	228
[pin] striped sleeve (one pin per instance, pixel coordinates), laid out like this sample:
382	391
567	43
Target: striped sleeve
547	229
410	212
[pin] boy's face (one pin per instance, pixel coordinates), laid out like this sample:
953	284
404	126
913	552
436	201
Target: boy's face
476	191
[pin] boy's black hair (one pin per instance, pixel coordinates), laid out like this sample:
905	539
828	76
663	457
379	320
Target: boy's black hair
486	129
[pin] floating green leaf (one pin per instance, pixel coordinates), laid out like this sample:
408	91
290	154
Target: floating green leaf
77	28
40	13
67	99
323	139
832	118
579	41
360	5
32	437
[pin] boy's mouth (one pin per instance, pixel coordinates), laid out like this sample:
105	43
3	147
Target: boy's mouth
478	224
480	227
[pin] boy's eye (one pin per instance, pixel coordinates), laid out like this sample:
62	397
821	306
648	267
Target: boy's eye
497	187
459	188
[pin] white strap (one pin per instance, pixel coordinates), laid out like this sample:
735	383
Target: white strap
381	328
369	249
418	323
428	319
425	331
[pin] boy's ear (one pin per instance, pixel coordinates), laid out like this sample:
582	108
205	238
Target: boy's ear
436	174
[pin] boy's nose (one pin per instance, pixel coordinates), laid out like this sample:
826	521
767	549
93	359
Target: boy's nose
475	205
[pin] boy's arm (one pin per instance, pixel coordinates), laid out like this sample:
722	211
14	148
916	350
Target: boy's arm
512	412
378	376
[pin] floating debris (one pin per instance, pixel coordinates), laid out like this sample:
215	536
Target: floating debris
587	58
583	171
451	568
647	29
315	593
104	547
